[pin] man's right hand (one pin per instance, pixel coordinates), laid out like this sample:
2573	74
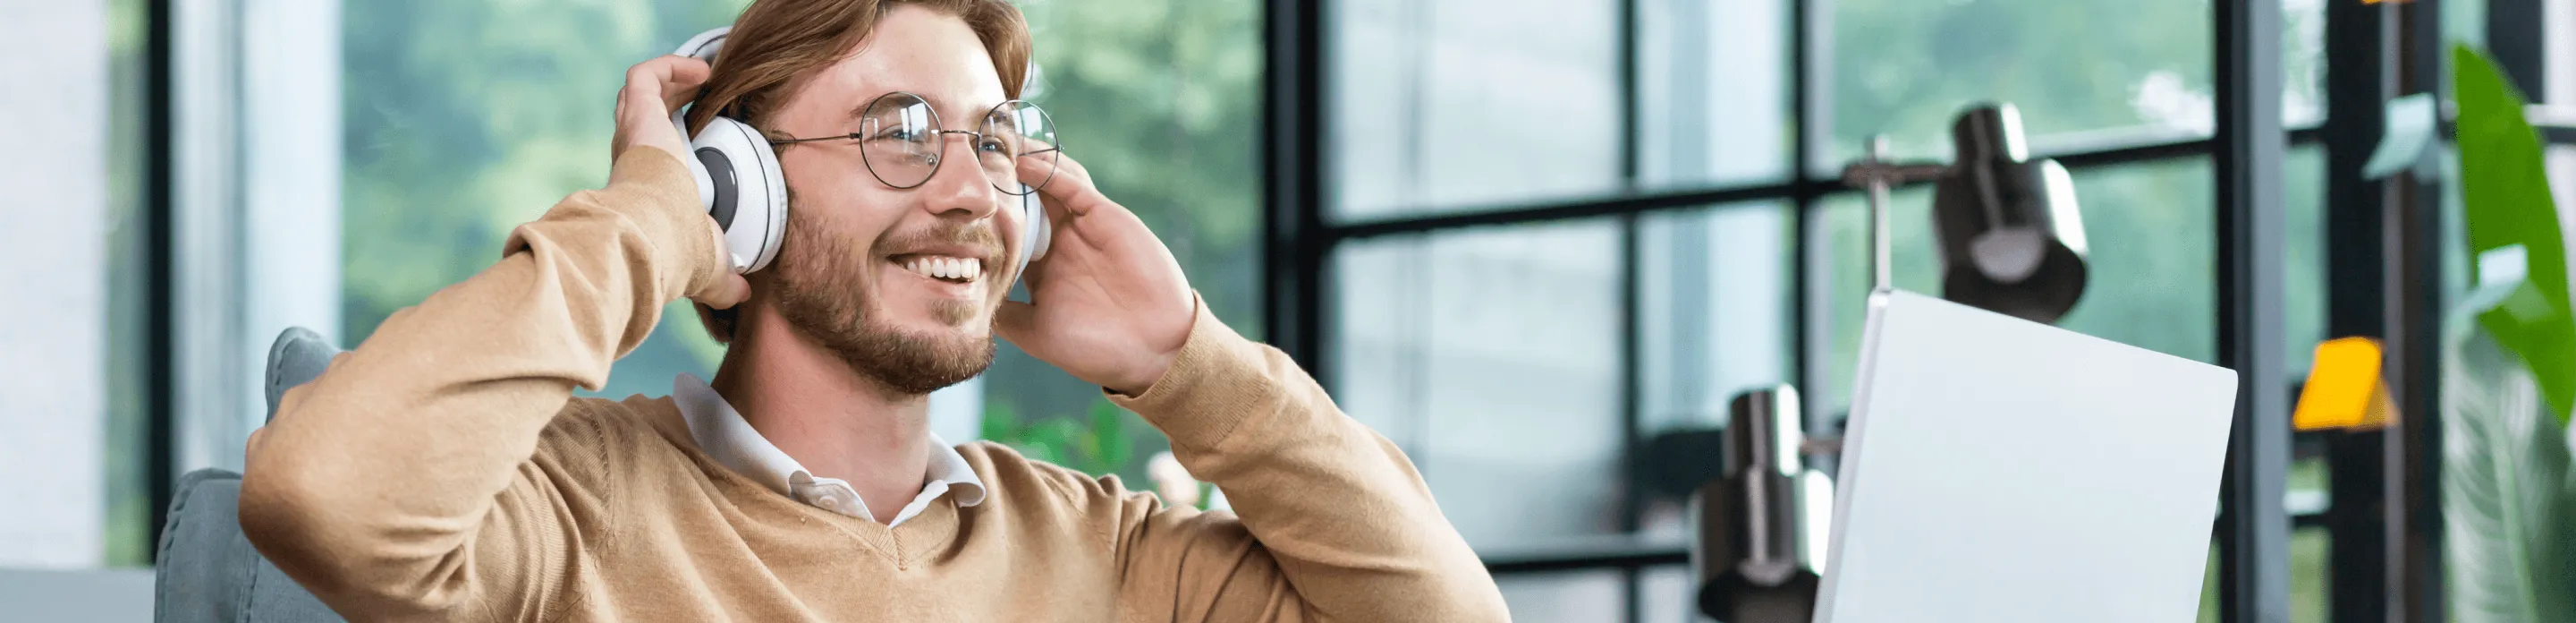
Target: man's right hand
654	88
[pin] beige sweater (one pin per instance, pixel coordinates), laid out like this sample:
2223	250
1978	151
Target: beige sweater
443	472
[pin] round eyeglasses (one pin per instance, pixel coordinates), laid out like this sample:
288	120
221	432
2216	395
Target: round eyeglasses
902	143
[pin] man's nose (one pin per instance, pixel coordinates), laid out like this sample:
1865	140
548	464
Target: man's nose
958	188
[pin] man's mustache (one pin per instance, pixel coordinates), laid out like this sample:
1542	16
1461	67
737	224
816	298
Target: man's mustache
980	237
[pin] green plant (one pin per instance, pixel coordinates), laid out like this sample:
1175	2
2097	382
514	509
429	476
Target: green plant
2508	505
2506	191
1096	443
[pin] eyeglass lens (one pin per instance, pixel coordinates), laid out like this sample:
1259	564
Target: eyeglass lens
900	138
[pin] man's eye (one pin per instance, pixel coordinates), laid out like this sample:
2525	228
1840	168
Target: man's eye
993	146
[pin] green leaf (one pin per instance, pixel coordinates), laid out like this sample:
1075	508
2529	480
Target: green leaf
2506	191
2507	505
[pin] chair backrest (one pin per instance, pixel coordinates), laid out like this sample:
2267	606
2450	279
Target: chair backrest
298	355
207	572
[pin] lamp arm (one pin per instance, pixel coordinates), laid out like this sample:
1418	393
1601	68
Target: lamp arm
1874	173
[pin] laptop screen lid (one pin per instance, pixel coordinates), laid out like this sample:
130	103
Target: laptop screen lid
2002	471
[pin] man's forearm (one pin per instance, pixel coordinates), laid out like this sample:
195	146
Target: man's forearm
385	464
1349	520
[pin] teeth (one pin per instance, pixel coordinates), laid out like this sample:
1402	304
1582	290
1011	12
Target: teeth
955	268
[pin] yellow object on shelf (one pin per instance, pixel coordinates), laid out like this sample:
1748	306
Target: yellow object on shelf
2344	389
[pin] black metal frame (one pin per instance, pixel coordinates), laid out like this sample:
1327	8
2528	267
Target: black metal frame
2254	539
160	287
2359	77
1293	188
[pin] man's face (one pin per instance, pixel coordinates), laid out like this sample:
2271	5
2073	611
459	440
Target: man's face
846	276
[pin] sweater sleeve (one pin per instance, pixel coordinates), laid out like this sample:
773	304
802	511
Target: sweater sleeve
409	481
1335	524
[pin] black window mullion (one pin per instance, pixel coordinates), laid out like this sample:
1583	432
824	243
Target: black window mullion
1293	181
2359	79
1631	354
1803	188
1806	51
160	382
2253	540
2417	308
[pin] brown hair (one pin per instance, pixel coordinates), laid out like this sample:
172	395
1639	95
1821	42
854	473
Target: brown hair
777	44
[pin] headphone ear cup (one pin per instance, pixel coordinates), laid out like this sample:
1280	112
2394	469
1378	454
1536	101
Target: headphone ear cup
747	195
697	167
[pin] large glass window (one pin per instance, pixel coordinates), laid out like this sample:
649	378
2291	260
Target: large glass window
2085	74
72	407
1491	357
1161	99
1713	92
1446	103
465	119
129	538
1901	68
1715	319
1563	597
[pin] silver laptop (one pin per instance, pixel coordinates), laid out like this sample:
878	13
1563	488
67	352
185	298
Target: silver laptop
2002	471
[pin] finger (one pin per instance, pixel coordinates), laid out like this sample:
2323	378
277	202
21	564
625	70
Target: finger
1085	196
729	290
1070	167
643	84
680	85
671	80
1064	183
1016	321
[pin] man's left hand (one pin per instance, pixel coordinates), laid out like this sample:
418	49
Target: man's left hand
1108	304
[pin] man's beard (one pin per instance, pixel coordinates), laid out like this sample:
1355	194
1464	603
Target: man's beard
820	282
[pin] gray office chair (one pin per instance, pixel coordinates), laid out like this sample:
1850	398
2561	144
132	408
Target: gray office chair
208	572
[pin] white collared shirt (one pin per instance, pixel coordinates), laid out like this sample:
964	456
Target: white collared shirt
721	432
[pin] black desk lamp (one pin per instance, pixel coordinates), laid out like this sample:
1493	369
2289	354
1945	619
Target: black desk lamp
2012	241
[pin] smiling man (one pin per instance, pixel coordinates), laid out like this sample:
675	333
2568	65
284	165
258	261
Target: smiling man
443	471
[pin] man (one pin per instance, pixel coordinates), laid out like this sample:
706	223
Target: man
442	471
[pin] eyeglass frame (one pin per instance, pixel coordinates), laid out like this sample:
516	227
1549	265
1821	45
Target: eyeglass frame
940	135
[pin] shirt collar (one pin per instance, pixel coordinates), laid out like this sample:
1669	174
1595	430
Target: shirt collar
725	436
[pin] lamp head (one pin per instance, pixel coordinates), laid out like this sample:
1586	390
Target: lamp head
2011	239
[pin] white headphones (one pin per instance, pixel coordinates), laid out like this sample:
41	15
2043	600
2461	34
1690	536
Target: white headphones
740	185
